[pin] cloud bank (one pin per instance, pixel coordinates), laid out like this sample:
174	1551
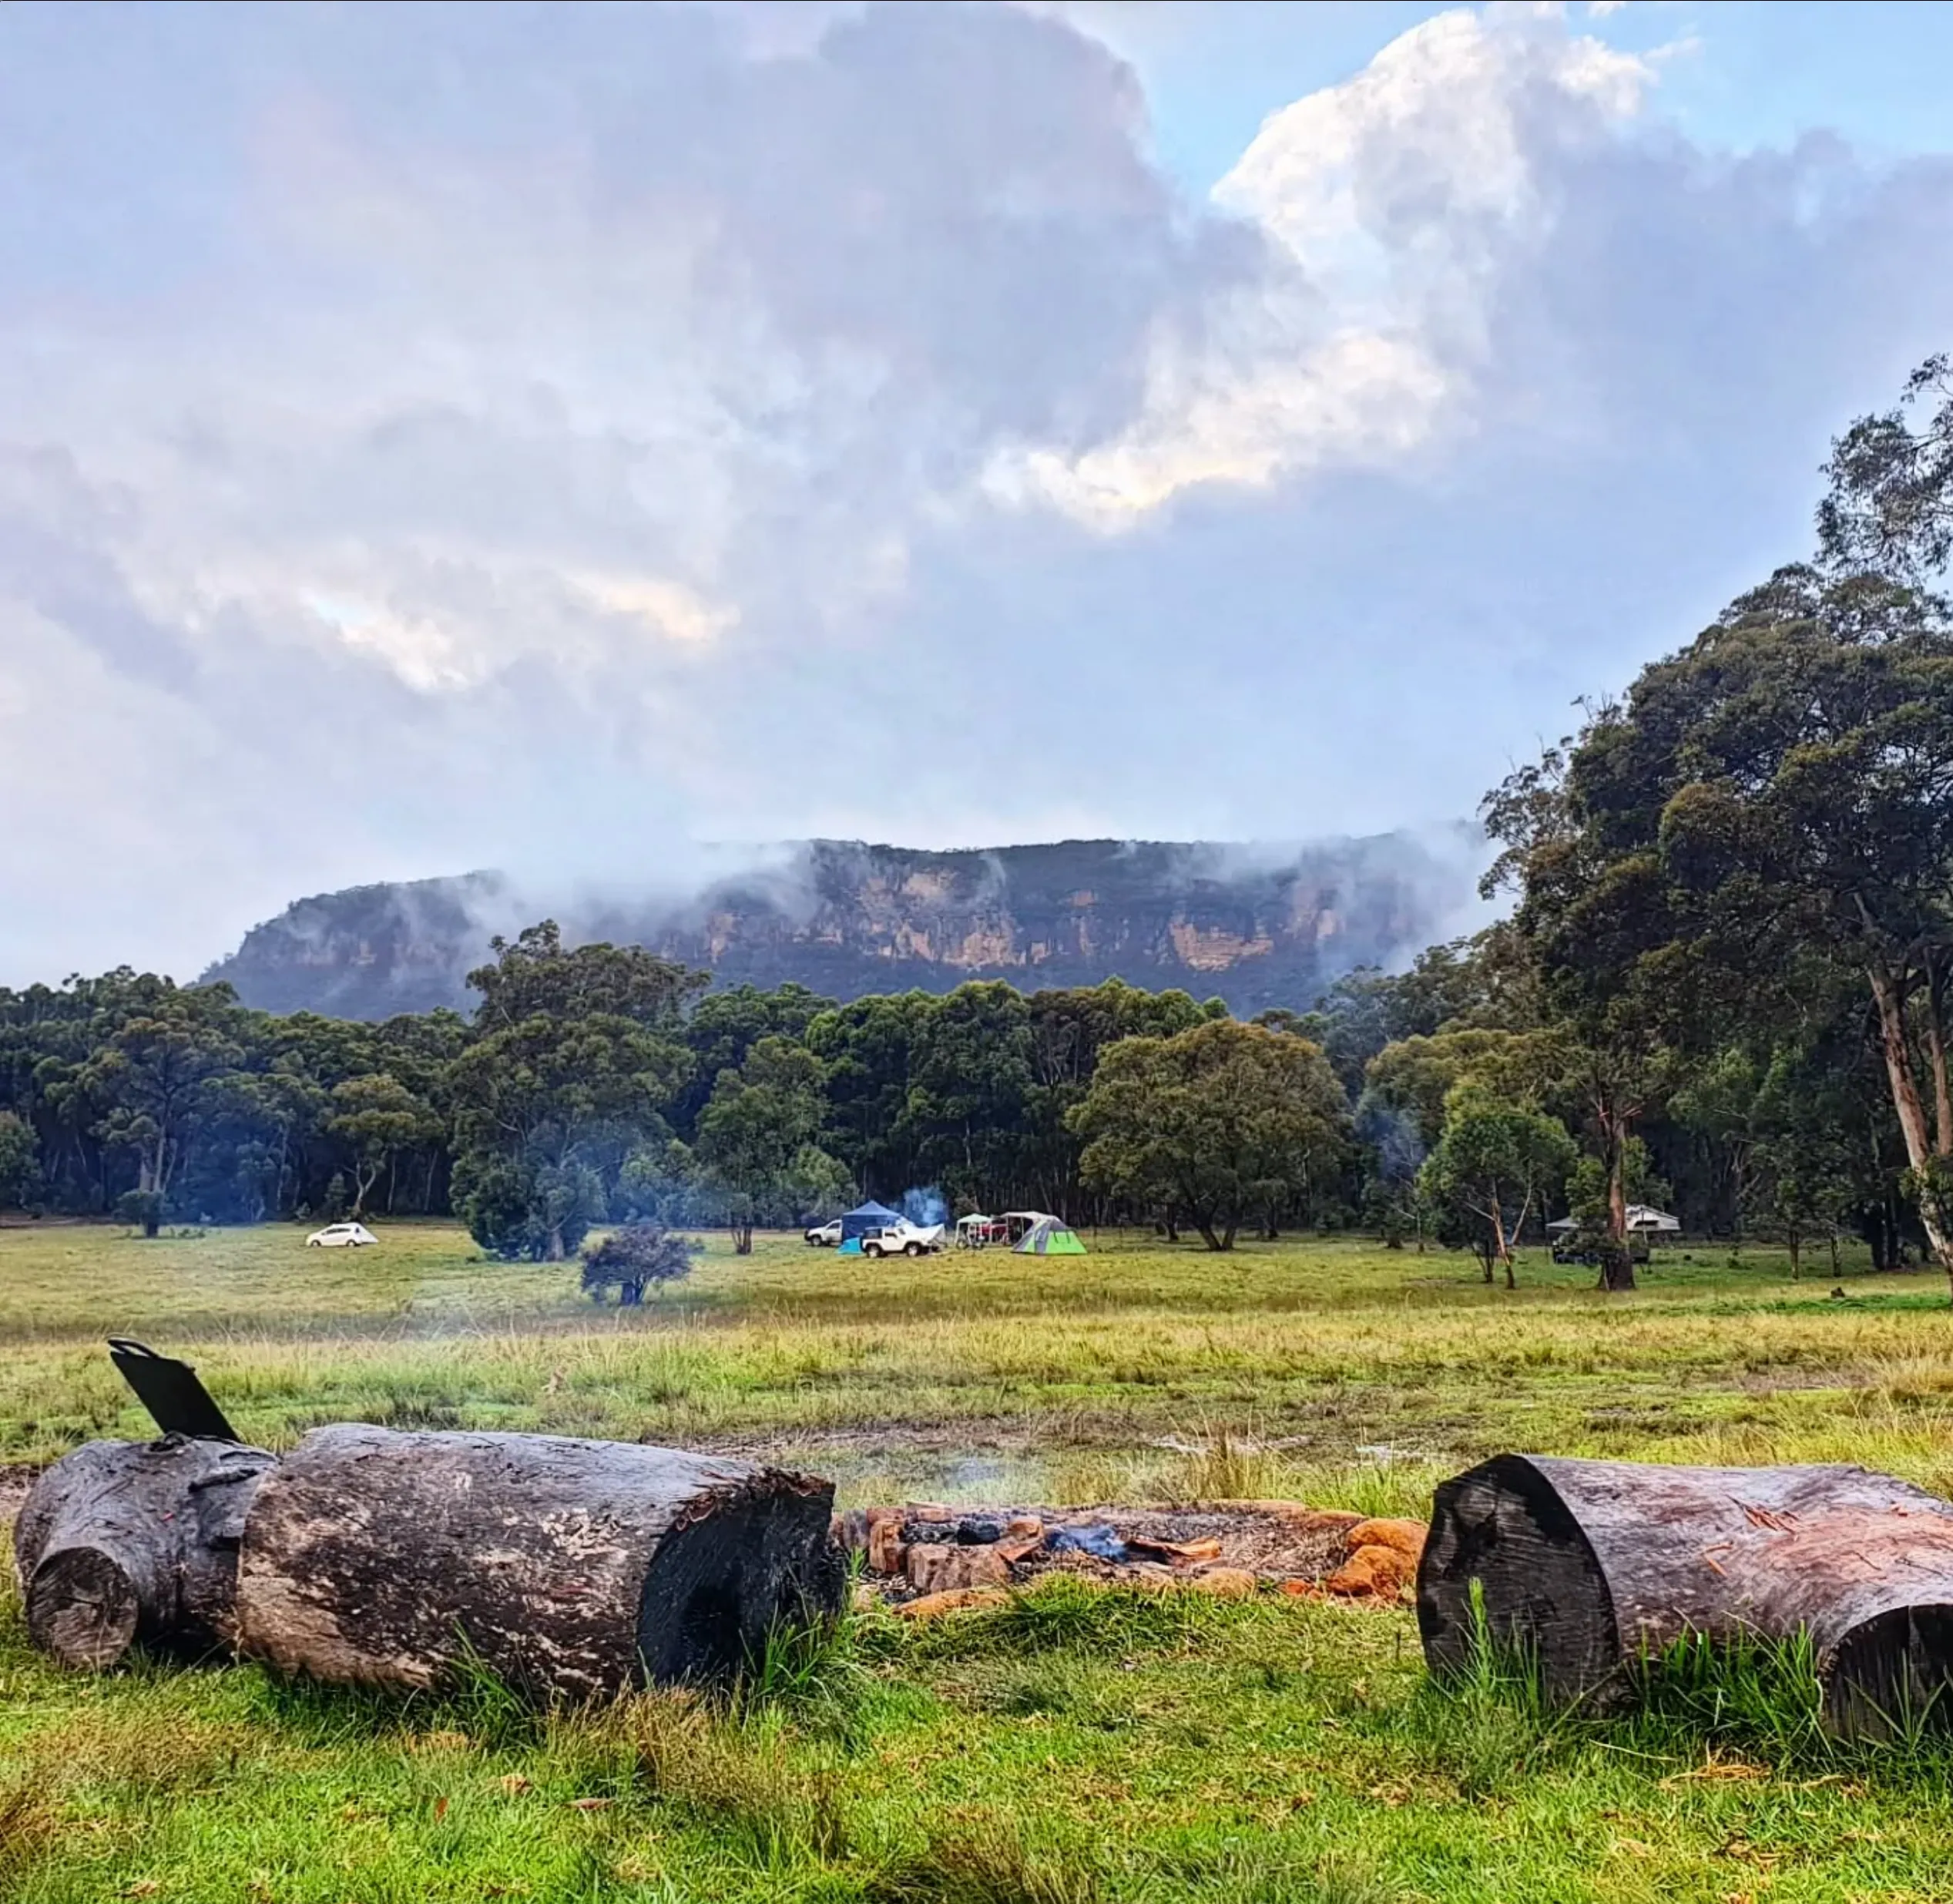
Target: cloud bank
551	437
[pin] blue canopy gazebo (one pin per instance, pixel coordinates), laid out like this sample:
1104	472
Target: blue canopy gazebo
856	1223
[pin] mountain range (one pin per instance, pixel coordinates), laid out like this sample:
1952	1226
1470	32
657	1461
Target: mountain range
1258	926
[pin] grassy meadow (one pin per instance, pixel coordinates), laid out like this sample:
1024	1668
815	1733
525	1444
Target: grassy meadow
1075	1746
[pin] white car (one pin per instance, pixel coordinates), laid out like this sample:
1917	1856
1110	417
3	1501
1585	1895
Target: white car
901	1239
824	1236
340	1236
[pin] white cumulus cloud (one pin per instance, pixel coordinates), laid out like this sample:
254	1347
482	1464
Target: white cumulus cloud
1395	203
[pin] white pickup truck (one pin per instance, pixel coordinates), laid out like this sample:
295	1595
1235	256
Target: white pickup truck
901	1239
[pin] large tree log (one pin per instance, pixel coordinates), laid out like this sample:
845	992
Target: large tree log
125	1541
1594	1566
571	1569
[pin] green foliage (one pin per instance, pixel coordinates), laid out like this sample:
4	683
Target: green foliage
1213	1124
1417	1074
1889	510
576	1053
757	1134
519	1208
1587	1184
20	1160
141	1210
379	1118
1762	825
636	1257
723	1027
1496	1163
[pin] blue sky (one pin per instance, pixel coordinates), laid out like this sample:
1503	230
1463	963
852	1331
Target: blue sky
549	436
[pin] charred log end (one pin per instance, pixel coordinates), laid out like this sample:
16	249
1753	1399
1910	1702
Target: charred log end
720	1584
83	1608
158	1521
1891	1677
1543	1599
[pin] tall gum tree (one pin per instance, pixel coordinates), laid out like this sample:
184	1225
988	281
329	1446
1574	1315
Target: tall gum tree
1770	806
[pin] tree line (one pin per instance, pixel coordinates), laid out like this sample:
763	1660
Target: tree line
1721	987
598	1083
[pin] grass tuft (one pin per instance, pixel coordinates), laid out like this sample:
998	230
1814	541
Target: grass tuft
1073	1612
739	1777
28	1825
988	1859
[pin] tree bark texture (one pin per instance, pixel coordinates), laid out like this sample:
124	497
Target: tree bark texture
1935	1016
1888	995
572	1570
124	1543
1592	1567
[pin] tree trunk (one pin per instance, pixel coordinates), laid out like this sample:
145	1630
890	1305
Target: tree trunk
1911	1113
1591	1568
1518	1228
1936	1057
1617	1181
570	1569
1616	1265
123	1542
1794	1237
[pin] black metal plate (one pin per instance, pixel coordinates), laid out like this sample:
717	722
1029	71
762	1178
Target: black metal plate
178	1403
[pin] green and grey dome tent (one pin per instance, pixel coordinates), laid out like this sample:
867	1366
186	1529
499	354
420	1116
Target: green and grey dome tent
1049	1237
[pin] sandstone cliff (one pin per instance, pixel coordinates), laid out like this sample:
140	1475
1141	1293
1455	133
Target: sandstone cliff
1257	927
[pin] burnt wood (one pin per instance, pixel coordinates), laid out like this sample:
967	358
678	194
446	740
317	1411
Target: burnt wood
1593	1567
126	1543
572	1570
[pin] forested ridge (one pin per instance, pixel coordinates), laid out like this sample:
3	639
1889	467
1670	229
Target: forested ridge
1721	987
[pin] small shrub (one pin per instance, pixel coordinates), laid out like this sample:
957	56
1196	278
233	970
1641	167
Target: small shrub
141	1210
637	1257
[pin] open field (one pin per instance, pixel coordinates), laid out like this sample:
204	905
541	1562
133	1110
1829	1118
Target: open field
1065	1749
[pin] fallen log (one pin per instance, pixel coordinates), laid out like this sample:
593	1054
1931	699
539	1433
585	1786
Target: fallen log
122	1544
1591	1568
572	1570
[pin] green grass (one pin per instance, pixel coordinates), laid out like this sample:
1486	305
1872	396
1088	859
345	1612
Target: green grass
1070	1747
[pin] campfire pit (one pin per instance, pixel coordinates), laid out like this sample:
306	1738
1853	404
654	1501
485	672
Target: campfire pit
925	1557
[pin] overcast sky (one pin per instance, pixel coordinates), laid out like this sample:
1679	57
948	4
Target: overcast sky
530	436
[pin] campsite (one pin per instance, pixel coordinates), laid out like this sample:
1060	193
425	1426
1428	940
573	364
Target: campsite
1303	1254
1081	1742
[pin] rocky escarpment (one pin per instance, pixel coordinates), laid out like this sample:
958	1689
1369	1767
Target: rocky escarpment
1258	927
